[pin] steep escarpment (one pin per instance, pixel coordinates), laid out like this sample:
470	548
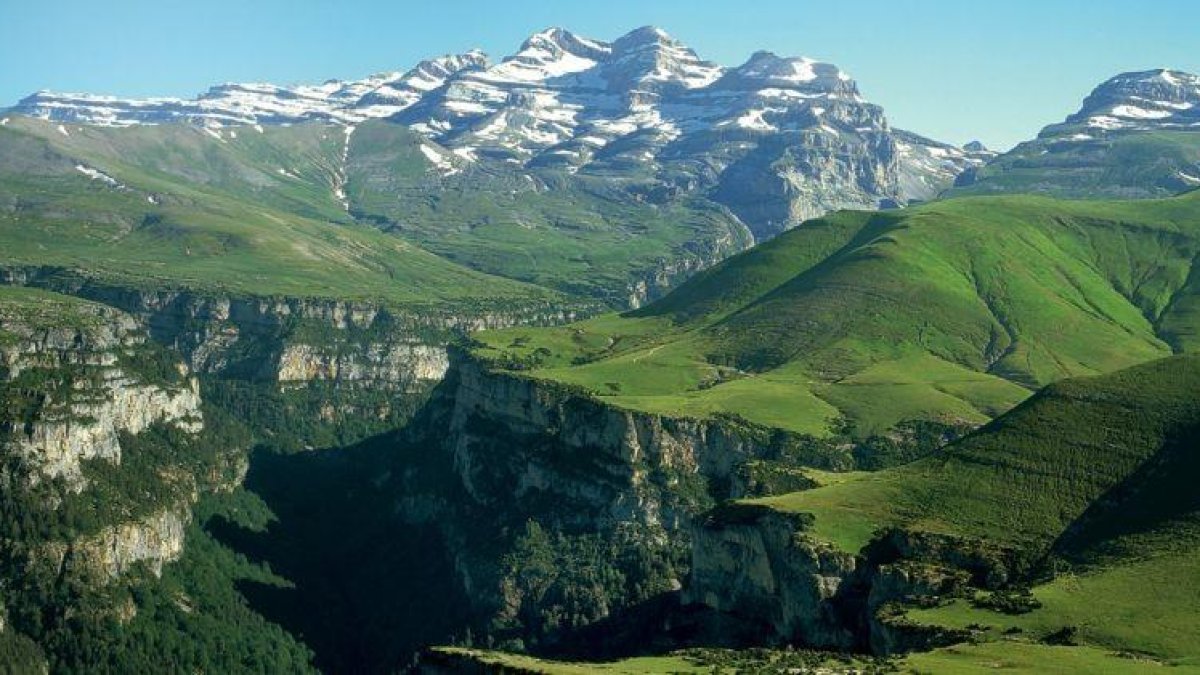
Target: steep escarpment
70	375
758	564
559	510
106	451
357	367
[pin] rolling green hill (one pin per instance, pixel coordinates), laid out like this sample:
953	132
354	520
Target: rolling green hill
954	311
1028	476
1093	472
316	209
174	207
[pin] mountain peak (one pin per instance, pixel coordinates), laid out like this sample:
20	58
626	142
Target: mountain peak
1139	100
646	34
767	69
560	40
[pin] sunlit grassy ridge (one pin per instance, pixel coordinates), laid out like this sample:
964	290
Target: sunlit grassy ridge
35	310
1008	656
1023	479
1121	164
955	311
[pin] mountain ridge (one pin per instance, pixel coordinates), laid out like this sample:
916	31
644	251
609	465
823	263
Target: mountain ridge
776	139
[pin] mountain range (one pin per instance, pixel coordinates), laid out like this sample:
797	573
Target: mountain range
776	139
597	358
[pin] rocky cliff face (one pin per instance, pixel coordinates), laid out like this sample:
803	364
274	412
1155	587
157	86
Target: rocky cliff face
293	340
93	397
514	438
151	541
759	565
764	567
514	472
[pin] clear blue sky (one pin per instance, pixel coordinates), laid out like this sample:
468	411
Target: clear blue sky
954	70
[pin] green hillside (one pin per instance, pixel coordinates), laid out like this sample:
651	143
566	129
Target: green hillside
1029	475
1119	165
1096	473
584	235
312	209
954	311
181	209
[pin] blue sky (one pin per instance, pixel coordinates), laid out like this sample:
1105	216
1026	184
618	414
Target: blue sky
997	71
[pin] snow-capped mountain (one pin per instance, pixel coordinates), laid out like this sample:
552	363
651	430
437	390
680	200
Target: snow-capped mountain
233	104
776	139
1143	101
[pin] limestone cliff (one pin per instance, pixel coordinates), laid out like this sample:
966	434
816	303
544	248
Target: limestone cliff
513	470
88	395
759	565
295	340
152	541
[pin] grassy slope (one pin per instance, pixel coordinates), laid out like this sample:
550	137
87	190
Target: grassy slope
574	234
955	310
988	657
1028	475
1118	165
211	228
38	310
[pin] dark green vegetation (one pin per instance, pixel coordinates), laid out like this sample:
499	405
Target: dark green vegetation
1113	165
954	311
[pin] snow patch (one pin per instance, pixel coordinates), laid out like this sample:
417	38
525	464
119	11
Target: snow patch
96	174
1139	113
1188	178
439	161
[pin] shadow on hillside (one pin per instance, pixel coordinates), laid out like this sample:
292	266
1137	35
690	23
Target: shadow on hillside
368	590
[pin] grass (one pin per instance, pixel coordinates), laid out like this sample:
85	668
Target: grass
1022	657
1112	165
647	665
988	657
1024	478
955	312
1145	606
209	227
35	311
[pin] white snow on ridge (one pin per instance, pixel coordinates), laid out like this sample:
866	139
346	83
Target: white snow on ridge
439	161
96	174
1138	113
1188	178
